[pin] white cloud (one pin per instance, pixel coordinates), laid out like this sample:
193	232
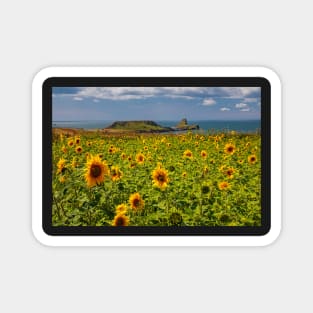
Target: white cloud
78	99
225	109
118	93
245	110
249	100
240	105
179	97
246	91
95	100
240	92
208	102
206	93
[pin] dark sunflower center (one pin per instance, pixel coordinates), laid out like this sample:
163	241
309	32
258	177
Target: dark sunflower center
120	221
136	202
230	149
95	170
161	178
252	159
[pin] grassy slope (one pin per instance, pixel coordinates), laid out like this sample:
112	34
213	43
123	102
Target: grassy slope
137	126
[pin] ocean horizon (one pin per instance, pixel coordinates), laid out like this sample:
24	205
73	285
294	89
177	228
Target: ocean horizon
205	125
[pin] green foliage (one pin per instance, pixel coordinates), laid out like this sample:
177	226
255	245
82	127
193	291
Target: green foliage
193	196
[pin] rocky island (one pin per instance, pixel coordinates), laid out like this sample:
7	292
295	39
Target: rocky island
183	125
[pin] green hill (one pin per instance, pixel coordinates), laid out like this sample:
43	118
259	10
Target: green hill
148	127
138	126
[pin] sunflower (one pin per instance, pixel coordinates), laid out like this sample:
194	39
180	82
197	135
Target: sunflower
230	172
222	168
120	220
63	149
70	143
172	168
205	169
205	189
223	185
74	163
240	161
184	174
175	219
188	154
160	178
140	158
121	209
61	165
123	156
204	154
252	159
136	201
79	149
229	148
62	179
116	173
96	170
77	140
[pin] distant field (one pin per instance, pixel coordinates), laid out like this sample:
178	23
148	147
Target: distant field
114	179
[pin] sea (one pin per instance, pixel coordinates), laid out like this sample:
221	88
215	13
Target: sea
246	126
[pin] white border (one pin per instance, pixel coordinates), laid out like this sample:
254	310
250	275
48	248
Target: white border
276	123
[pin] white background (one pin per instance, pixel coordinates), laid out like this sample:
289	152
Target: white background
36	34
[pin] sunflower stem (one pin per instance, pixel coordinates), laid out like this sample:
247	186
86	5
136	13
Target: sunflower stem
58	207
201	199
167	202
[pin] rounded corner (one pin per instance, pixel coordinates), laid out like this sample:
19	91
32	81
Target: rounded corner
41	236
271	236
42	76
271	75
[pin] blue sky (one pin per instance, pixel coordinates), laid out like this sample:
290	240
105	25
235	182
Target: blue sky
156	103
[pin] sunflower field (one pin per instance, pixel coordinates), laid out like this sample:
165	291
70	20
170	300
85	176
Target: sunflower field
186	179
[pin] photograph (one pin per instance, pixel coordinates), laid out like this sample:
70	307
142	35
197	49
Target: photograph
156	156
